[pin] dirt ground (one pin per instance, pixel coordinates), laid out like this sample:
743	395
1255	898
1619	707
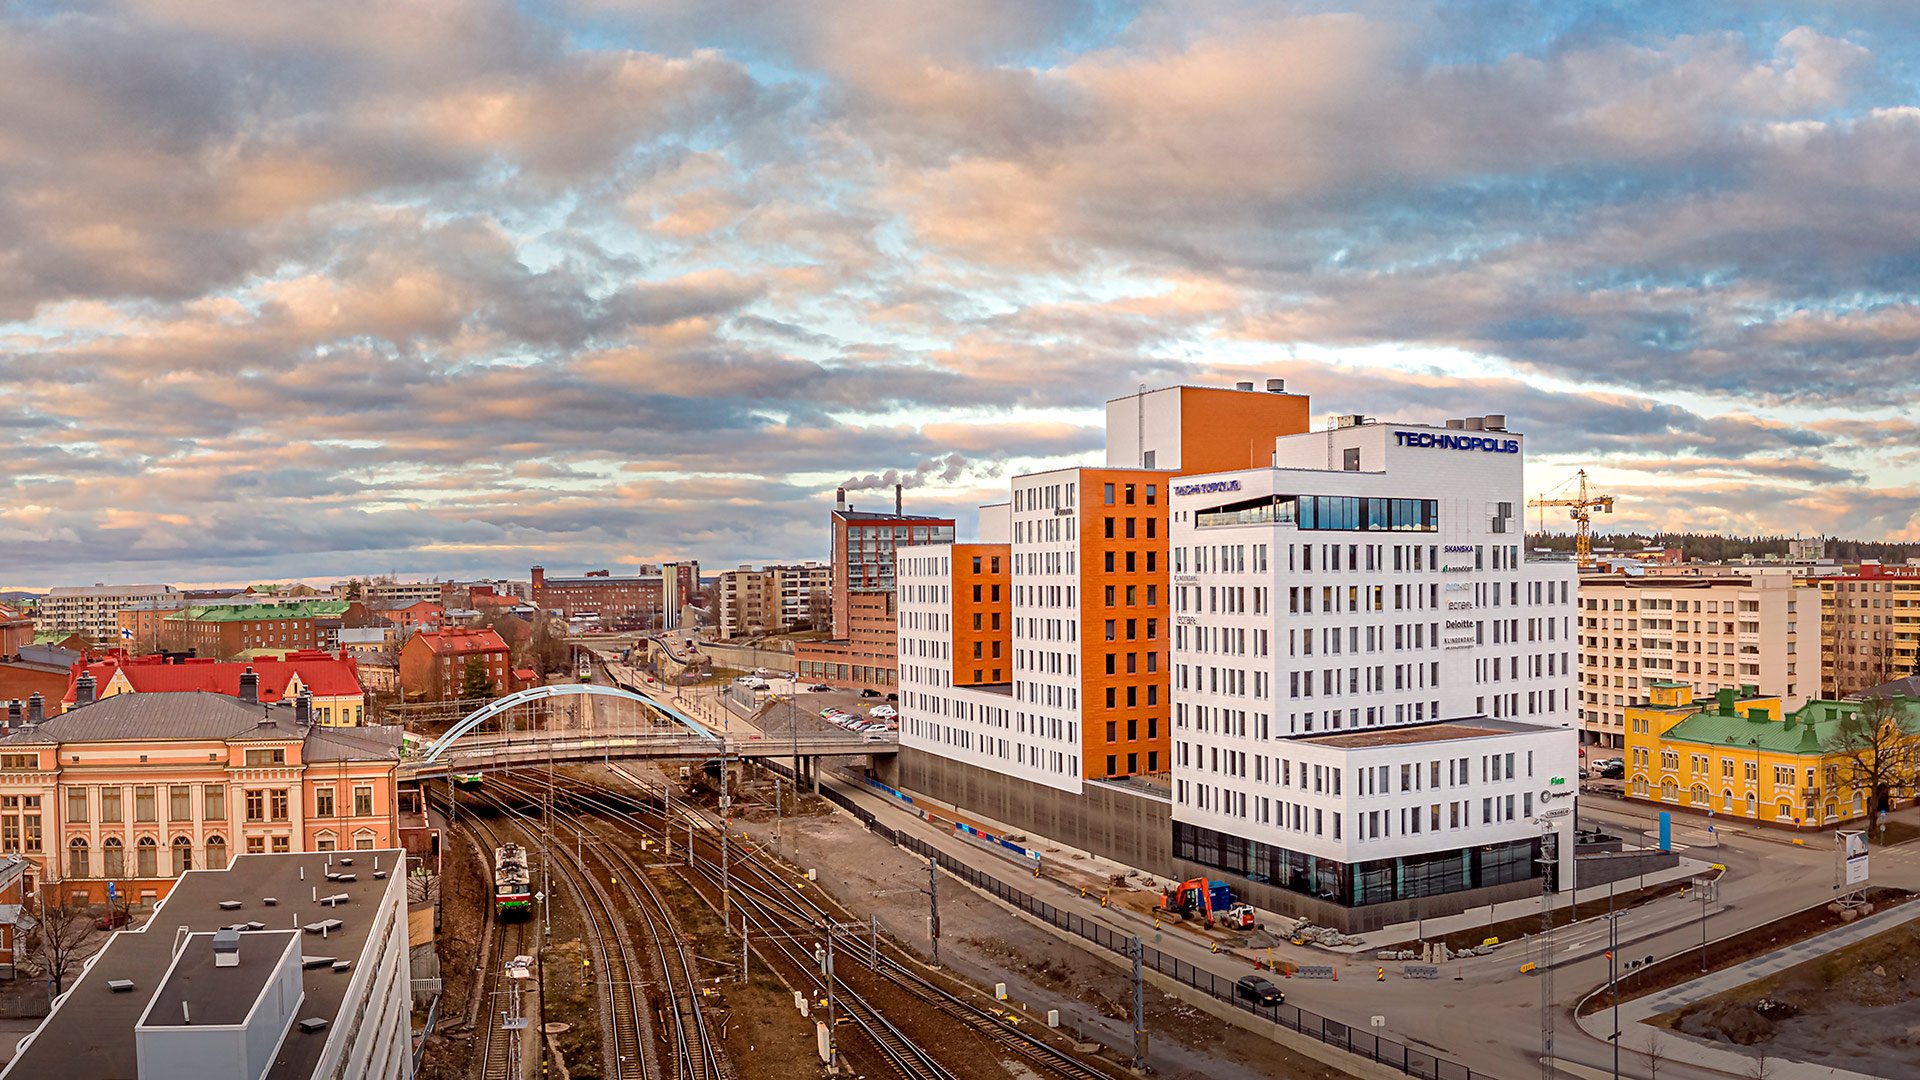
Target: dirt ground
464	897
1683	967
1853	1009
985	944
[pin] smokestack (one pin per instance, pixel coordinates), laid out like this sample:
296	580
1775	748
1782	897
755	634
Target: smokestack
83	689
249	686
898	501
36	709
839	498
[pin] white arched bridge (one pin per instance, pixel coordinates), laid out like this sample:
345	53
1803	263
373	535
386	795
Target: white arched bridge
489	738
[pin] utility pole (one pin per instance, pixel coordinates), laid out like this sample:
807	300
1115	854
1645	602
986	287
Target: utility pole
1613	984
826	971
743	950
933	907
1549	857
1138	952
726	826
666	816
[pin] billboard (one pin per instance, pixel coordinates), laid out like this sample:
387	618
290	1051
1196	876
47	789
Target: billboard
1854	851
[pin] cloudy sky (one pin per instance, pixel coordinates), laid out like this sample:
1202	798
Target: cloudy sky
304	289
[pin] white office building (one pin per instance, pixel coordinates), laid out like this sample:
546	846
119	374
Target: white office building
1374	690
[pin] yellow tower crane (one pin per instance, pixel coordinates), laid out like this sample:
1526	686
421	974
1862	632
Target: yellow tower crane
1581	505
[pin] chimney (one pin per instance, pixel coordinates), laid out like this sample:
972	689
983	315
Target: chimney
1246	385
36	709
249	686
898	501
839	498
14	713
83	688
1276	386
226	948
303	708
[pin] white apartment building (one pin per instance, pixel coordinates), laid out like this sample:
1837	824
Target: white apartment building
771	600
94	610
1373	688
799	585
1710	632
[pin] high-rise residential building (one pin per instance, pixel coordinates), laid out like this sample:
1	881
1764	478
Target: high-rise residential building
93	610
1869	628
799	584
1321	670
749	602
862	654
1709	633
231	987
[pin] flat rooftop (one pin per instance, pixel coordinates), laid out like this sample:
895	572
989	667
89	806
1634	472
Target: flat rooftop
91	1032
218	995
1477	727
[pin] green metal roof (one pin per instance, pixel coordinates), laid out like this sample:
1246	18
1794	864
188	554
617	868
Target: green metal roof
290	609
1806	731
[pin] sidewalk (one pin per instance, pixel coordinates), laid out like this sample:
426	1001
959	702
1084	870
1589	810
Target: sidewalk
1699	1052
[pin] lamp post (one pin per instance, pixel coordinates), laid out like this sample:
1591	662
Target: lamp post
1613	983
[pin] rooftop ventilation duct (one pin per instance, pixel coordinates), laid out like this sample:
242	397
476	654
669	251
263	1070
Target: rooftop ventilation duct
1247	385
1475	423
1276	386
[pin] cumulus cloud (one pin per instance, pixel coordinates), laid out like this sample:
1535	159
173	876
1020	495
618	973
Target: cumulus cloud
309	289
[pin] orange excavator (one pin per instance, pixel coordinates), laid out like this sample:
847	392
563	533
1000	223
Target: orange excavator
1197	894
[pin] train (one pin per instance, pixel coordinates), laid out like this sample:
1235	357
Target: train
468	781
512	882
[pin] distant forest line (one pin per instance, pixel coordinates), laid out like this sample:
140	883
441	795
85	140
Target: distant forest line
1711	547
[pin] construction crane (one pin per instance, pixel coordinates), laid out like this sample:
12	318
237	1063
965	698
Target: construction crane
1580	507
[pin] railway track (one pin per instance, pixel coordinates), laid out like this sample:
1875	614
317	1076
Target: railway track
780	914
499	1057
596	873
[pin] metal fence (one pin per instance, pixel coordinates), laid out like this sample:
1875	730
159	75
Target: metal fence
1221	987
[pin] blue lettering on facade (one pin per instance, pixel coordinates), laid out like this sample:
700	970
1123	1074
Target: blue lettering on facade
1448	441
1207	488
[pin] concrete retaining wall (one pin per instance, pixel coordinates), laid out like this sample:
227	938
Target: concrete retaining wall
747	658
1109	822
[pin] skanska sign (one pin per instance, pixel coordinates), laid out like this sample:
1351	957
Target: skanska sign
1446	441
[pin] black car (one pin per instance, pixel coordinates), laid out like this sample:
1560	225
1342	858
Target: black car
818	688
1611	769
1259	990
893	697
869	692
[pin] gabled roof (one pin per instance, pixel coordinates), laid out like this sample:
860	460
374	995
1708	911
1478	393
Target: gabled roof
323	674
460	642
1808	730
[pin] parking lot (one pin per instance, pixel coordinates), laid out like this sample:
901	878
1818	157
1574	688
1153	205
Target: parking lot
813	703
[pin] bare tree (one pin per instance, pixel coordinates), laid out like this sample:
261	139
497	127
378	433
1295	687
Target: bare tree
1761	1068
62	938
1655	1053
1878	745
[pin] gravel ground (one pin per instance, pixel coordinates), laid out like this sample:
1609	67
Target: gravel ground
985	944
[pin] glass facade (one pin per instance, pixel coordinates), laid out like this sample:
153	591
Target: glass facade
870	548
1343	513
1375	881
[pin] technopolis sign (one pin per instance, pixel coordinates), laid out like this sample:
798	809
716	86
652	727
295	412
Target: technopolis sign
1443	441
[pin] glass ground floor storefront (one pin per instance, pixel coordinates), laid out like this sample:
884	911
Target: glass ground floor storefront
1375	881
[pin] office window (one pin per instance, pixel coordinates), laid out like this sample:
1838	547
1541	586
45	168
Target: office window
144	807
213	802
323	802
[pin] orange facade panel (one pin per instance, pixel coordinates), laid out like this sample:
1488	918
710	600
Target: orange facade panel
1222	430
982	614
1125	624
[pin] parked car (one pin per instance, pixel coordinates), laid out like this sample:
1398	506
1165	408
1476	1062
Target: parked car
869	692
818	688
1259	990
882	712
1611	769
893	697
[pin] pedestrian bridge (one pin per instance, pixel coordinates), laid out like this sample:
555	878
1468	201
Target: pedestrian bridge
637	727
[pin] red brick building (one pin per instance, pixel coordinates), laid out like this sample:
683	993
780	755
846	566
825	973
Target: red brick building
864	651
627	603
332	681
433	662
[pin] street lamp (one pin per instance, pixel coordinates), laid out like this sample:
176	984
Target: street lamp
1613	982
